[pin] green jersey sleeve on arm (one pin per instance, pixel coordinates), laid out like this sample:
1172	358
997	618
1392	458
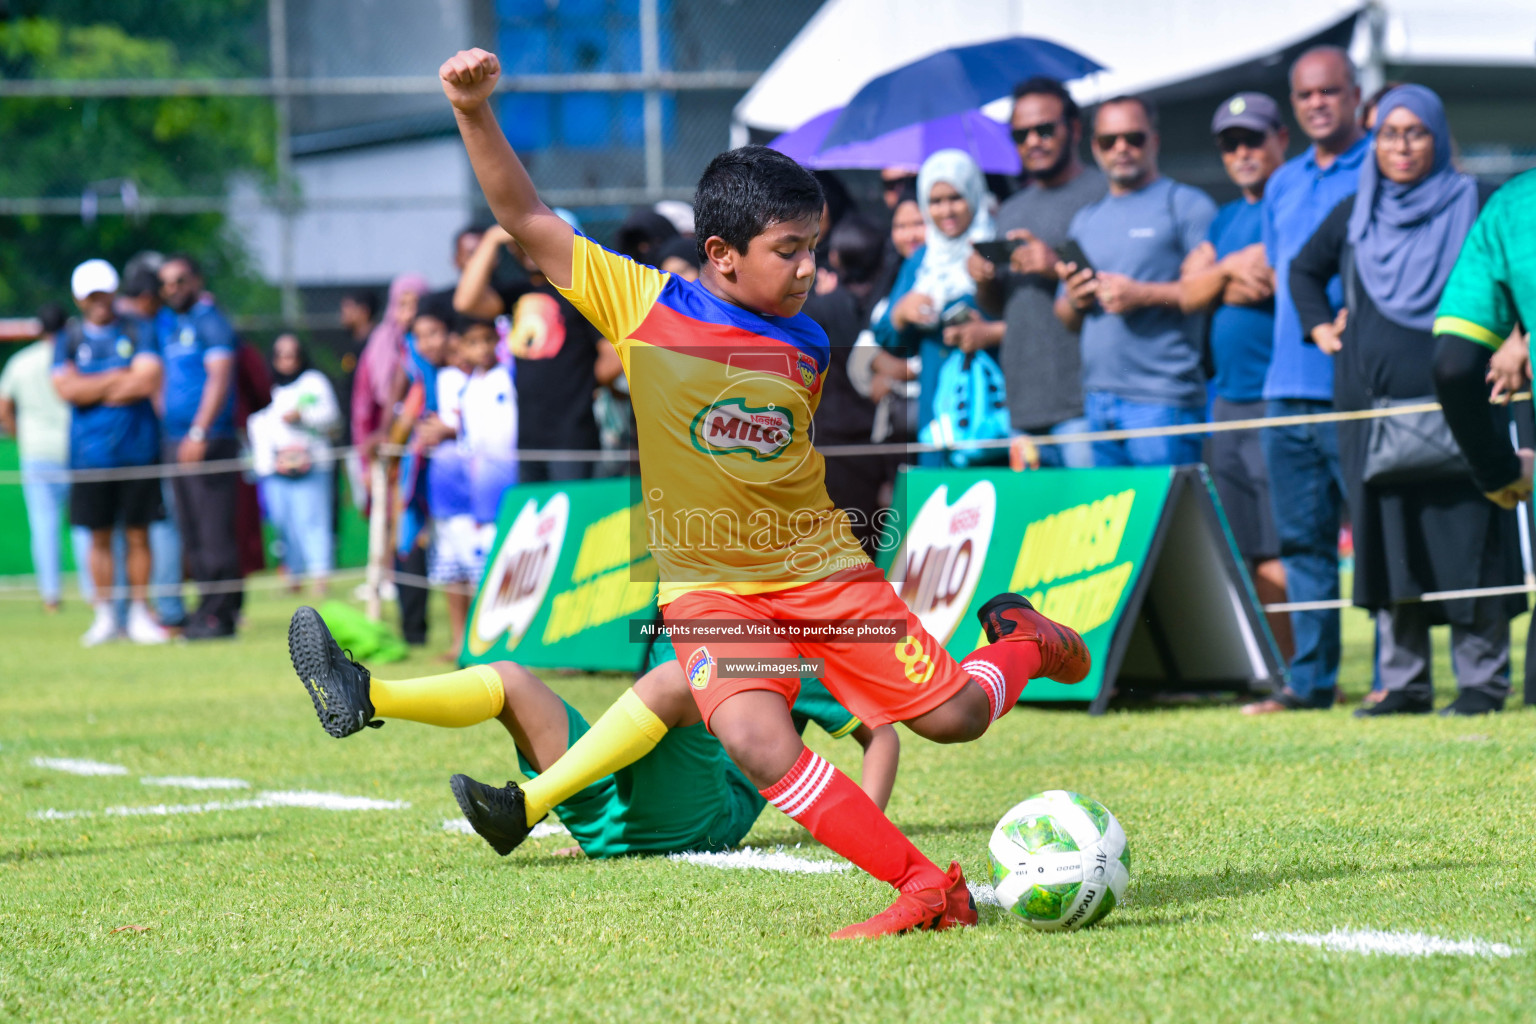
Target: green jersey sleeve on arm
1494	280
816	704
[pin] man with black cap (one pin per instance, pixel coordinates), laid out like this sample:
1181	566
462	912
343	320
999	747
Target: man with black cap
1229	276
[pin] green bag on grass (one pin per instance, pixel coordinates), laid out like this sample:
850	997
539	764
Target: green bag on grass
367	640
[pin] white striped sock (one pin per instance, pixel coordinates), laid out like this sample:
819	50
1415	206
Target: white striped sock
992	684
806	789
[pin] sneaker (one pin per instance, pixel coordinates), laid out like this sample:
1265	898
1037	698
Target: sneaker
1396	702
103	628
1471	702
929	910
499	816
1063	655
207	627
337	684
142	629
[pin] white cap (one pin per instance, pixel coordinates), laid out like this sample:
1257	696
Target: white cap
91	277
679	213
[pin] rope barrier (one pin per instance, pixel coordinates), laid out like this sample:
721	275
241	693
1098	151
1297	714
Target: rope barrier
339	454
249	583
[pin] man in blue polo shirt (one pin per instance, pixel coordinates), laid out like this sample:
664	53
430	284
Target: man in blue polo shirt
198	346
1306	485
107	369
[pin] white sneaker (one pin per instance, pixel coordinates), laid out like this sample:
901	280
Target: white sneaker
103	629
142	629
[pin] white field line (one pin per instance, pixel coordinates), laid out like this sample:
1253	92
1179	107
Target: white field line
296	798
79	766
542	829
194	782
1391	943
776	859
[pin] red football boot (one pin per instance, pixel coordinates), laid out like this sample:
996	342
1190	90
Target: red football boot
1063	655
931	910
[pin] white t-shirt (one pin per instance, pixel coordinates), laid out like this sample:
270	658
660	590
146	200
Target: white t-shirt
488	413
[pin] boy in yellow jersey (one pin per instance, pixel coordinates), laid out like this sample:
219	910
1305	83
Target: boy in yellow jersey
724	374
672	787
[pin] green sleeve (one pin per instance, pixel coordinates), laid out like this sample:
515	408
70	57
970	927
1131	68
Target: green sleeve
817	705
1477	303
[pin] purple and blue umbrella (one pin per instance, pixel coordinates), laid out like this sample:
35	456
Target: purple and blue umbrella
951	82
976	133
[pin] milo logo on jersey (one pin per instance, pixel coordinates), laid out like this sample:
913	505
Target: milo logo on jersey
731	426
942	555
516	582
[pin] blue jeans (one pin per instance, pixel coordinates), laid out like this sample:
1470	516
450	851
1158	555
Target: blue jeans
47	501
299	508
1111	412
165	562
1306	487
1076	455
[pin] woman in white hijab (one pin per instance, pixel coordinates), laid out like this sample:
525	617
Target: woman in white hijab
934	289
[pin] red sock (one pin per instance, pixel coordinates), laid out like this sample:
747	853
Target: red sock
1001	670
843	818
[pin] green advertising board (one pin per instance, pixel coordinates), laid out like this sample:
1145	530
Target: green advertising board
564	581
1138	560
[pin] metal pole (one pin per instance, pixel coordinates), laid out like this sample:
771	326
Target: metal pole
650	64
277	30
378	534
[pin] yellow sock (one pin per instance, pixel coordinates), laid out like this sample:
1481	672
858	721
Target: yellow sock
455	699
627	732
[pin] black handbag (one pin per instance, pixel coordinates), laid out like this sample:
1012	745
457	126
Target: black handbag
1412	447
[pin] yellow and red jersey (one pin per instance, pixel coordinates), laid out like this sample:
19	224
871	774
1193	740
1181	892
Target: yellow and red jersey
734	491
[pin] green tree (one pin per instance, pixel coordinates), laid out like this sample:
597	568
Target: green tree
170	146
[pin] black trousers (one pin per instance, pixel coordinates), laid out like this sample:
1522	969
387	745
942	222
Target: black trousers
411	598
553	472
205	515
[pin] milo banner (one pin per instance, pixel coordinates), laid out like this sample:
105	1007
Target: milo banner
563	582
1139	561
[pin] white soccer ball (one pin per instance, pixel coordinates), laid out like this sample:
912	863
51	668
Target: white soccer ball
1059	861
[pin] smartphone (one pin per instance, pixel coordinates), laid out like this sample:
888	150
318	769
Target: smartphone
958	312
1070	252
997	252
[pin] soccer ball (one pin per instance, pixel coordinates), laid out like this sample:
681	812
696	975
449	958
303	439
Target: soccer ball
1059	861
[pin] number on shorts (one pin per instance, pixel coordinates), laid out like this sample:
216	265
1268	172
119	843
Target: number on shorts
914	659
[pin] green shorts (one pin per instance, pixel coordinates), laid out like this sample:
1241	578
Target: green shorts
684	795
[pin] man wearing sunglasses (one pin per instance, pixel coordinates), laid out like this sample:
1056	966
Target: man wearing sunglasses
1307	487
198	346
1041	359
1229	277
1142	354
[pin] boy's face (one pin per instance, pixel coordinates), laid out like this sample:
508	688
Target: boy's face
775	274
478	343
431	339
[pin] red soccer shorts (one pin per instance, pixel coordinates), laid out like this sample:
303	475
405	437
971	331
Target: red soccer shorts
880	682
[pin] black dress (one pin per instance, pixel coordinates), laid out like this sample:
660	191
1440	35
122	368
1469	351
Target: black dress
1409	538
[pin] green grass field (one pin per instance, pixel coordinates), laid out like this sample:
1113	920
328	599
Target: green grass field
1290	824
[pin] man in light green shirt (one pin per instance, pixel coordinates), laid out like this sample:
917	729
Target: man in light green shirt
32	412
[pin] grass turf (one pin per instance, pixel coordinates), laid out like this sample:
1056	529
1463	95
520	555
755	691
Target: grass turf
1291	823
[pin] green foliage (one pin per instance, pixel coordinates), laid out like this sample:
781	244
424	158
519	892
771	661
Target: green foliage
170	146
1290	823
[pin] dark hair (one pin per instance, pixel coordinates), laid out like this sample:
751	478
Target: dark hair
437	305
745	191
469	229
52	317
191	264
839	203
1147	107
142	281
859	248
365	297
677	248
908	194
643	233
1040	85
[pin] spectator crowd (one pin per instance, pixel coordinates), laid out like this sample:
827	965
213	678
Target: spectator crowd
1100	295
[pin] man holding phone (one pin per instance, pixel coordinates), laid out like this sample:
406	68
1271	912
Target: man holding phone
1016	276
1141	351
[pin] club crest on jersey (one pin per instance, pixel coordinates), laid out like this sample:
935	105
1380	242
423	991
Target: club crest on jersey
700	667
730	426
808	375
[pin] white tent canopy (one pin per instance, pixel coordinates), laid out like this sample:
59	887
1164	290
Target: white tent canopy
1144	46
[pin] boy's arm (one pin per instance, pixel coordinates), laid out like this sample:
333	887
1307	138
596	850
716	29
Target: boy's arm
469	77
882	751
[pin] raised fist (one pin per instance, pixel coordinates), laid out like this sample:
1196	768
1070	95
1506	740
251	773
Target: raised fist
469	77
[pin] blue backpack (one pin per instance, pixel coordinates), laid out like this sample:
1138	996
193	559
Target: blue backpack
969	404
